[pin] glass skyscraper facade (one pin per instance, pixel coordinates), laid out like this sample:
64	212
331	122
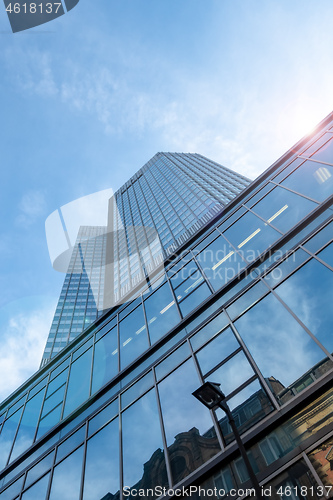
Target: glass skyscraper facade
82	295
174	194
245	301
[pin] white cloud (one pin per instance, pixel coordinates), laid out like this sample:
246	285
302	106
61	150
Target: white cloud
31	206
22	344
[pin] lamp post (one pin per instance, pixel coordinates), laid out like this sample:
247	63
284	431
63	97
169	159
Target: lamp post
212	397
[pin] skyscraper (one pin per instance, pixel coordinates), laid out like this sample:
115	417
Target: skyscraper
244	301
158	209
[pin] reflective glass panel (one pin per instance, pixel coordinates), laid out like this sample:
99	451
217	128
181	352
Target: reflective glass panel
79	382
318	240
327	255
220	262
209	331
47	422
67	477
189	285
286	267
10	492
70	443
217	350
38	490
143	456
222	227
308	293
259	195
39	469
283	351
186	418
251	236
321	459
283	209
54	400
133	336
7	436
195	299
246	300
288	169
204	314
102	463
317	144
161	312
325	153
102	417
184	273
312	179
205	242
137	389
172	361
296	479
248	407
105	359
233	373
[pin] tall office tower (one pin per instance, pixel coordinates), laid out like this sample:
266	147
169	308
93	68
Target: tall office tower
245	302
159	208
82	295
174	194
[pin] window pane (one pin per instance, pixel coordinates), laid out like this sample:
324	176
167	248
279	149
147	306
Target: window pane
7	436
188	419
218	349
102	463
248	407
251	236
246	300
38	490
283	209
102	417
38	469
220	262
161	312
70	443
137	389
312	179
105	360
308	293
28	424
67	477
144	461
13	490
79	381
288	169
49	421
133	336
291	482
327	255
183	273
209	331
187	286
321	459
319	239
233	373
281	348
172	361
325	153
286	267
195	299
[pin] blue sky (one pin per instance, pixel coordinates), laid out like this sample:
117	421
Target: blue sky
88	98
